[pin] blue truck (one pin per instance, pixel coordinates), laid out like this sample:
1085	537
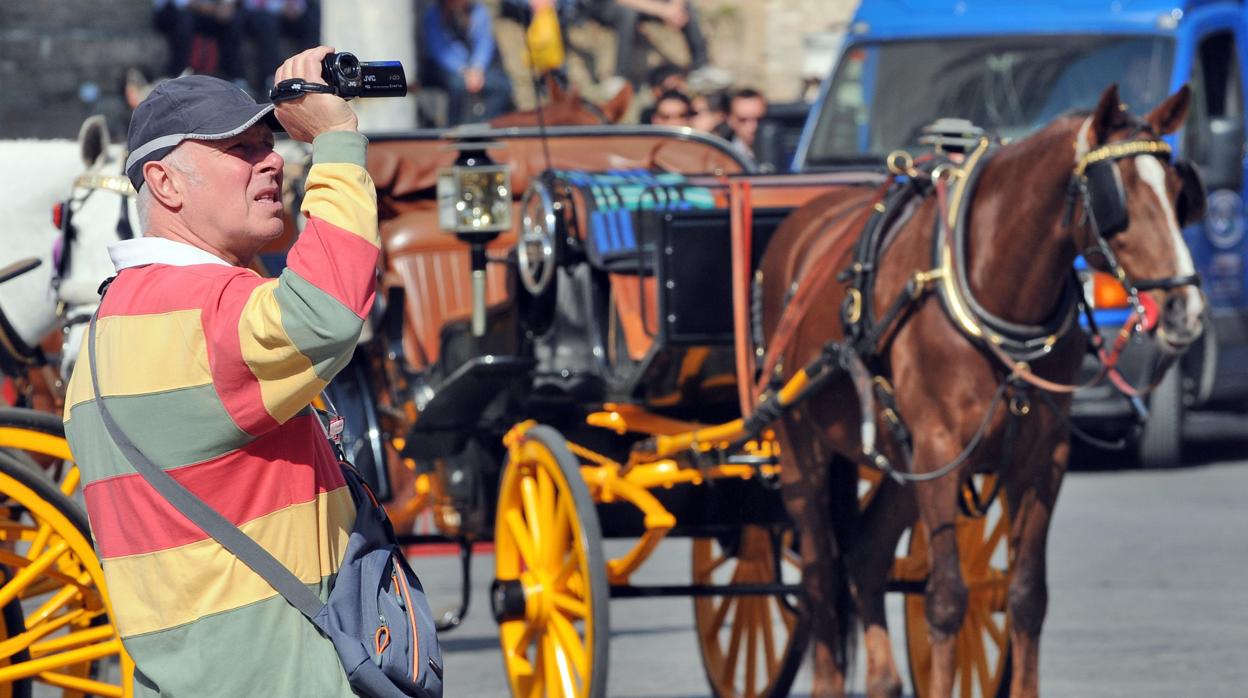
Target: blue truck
1011	66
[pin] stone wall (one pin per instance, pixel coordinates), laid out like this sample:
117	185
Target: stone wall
63	60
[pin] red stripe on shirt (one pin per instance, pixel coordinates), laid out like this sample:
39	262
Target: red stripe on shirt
231	376
128	517
330	258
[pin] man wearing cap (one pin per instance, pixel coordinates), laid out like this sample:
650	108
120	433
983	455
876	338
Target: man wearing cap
209	370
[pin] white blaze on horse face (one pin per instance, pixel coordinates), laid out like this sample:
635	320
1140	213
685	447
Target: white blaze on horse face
1154	175
1081	141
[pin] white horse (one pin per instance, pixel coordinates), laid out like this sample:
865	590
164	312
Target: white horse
37	174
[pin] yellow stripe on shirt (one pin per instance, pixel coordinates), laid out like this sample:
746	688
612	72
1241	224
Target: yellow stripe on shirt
165	589
129	341
344	195
287	378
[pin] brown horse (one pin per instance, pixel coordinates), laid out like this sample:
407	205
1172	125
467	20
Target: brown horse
1024	226
568	108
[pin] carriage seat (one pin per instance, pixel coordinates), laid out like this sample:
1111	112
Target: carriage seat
434	271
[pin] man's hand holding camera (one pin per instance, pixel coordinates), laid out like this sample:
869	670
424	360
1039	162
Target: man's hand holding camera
311	114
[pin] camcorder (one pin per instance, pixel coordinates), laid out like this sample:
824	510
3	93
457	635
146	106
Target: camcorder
348	77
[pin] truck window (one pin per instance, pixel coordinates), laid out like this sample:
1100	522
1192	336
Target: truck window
1216	96
883	93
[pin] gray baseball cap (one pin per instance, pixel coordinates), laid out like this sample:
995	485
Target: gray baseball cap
196	107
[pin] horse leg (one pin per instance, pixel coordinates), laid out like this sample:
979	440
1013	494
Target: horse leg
946	590
888	514
1032	490
805	487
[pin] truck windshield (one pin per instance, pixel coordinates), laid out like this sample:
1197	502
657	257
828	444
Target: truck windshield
883	93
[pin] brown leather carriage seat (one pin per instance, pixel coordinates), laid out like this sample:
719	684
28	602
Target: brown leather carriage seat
432	266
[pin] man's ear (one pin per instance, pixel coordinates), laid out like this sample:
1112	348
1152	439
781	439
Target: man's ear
165	184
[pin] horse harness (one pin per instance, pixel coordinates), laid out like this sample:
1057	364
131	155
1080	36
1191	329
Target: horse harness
1095	184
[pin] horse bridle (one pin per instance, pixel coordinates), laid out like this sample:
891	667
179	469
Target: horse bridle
84	186
1097	182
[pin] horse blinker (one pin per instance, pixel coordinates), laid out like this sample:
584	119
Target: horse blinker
1104	198
1192	198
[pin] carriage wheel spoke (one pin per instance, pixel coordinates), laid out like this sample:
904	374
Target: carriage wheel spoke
546	517
567	569
81	684
28	574
769	640
984	556
533	517
571	606
981	661
24	640
734	648
964	665
524	544
751	645
721	614
569	641
560	533
710	566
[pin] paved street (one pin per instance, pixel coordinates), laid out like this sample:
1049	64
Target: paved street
1147	595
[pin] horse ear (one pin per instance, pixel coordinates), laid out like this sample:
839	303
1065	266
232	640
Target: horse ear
93	139
615	108
1169	116
1108	113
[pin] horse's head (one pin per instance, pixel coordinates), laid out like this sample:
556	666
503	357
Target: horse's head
1136	200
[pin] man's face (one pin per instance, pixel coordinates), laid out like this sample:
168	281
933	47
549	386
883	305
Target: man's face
671	112
744	117
236	204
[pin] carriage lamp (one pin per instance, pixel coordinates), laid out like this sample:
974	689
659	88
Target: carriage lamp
474	204
475	201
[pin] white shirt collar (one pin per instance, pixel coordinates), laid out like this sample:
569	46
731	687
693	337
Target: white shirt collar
139	251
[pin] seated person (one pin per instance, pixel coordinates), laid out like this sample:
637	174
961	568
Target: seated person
672	109
745	111
624	16
461	56
710	114
664	77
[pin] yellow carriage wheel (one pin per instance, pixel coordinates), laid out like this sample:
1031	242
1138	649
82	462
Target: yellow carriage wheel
982	663
63	638
751	645
550	589
27	529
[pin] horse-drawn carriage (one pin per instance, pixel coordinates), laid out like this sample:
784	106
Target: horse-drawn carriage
622	346
602	399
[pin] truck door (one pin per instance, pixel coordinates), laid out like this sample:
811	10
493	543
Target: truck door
1213	138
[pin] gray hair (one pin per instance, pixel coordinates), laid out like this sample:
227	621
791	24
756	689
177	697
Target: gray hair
146	201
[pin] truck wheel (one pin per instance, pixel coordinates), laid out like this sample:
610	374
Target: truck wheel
1161	442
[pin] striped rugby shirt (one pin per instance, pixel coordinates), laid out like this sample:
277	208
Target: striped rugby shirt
209	369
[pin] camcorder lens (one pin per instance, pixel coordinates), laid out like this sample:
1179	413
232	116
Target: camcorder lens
349	66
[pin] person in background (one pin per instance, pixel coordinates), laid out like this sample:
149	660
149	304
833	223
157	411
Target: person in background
710	114
663	78
181	20
623	16
672	109
746	109
459	46
265	23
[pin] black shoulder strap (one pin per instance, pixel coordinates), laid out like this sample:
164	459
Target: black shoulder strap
202	515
